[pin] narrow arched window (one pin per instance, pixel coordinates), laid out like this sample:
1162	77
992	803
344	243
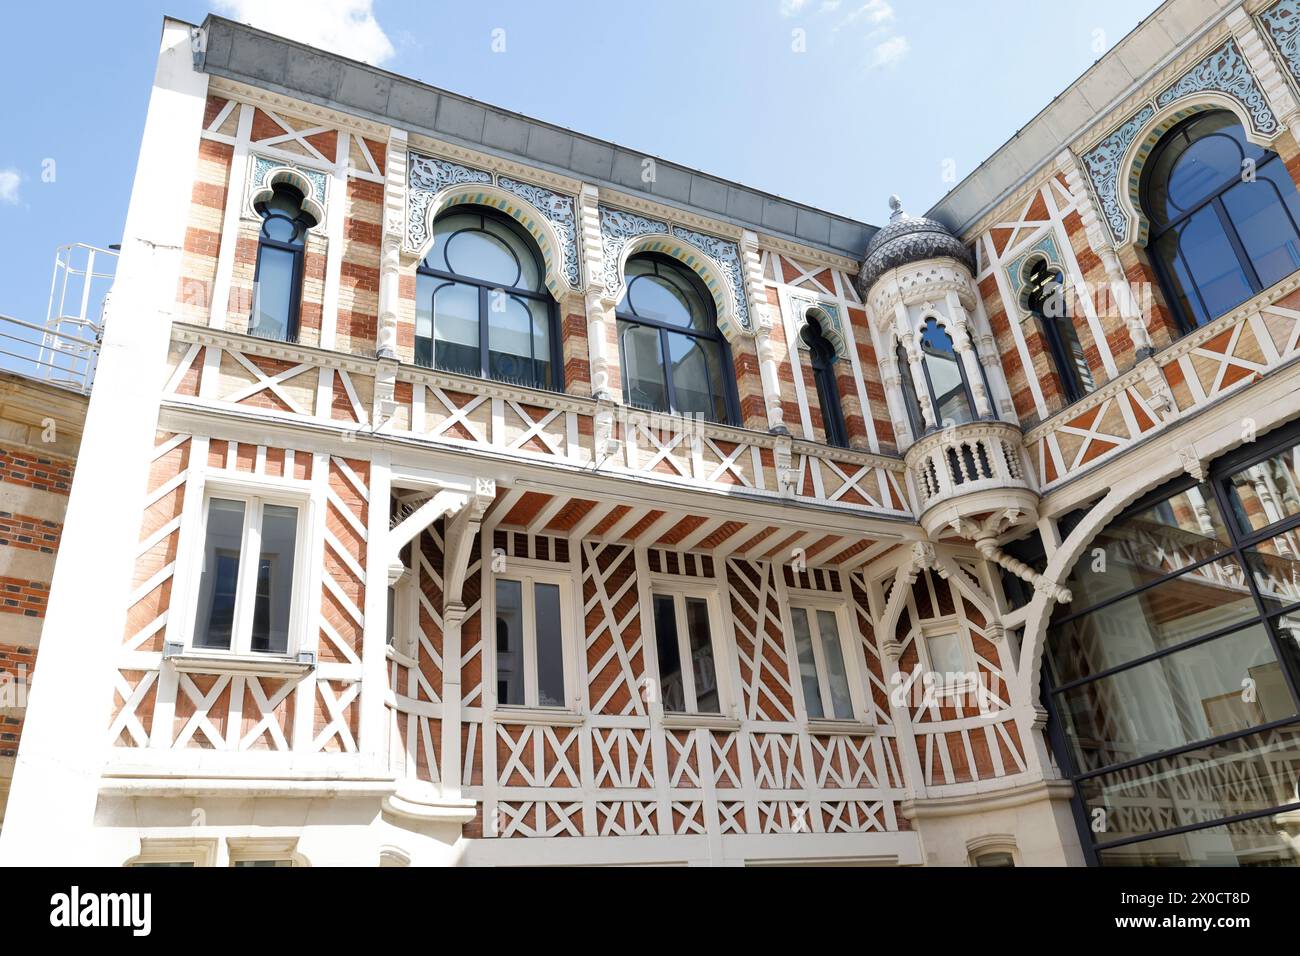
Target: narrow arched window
277	280
1223	217
1045	299
673	357
914	416
944	373
828	393
482	308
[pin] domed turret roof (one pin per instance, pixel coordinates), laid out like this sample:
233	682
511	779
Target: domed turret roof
906	239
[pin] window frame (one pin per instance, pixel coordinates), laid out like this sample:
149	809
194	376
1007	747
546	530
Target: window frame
1187	323
485	290
624	316
822	358
292	324
680	591
1067	370
811	602
529	571
942	324
254	497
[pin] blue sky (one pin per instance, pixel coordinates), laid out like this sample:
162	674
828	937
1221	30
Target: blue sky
836	103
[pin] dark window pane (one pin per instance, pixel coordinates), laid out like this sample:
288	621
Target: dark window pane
219	578
275	579
273	297
1264	227
947	382
1267	491
1275	568
1209	598
1231	683
643	375
672	689
1182	286
703	666
1238	776
1263	841
455	329
510	642
425	285
1212	263
690	373
550	645
483	256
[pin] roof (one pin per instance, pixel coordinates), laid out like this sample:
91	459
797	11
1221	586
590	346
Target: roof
243	54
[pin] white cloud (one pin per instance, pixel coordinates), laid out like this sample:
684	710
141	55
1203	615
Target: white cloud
790	8
873	12
347	27
891	52
9	180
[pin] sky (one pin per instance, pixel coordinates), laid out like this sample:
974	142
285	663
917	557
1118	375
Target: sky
833	103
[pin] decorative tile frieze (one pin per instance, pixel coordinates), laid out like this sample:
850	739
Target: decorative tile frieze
829	317
1225	71
1282	21
264	169
618	227
428	177
560	211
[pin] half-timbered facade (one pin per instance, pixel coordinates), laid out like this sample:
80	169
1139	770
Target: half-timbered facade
458	489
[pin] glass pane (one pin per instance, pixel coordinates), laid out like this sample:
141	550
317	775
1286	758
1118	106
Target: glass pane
690	372
914	416
643	377
672	689
1193	163
1180	280
1266	492
943	367
1231	683
1172	534
833	655
1262	841
812	694
219	578
510	642
703	666
273	296
543	374
550	645
530	275
946	655
1264	226
1207	599
1076	367
455	328
510	339
279	229
1275	567
654	297
1212	263
1238	776
481	255
275	579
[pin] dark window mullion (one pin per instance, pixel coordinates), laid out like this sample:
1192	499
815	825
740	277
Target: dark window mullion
666	365
483	306
1234	240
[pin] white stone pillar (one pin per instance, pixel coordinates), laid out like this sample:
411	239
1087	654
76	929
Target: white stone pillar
50	817
903	328
390	261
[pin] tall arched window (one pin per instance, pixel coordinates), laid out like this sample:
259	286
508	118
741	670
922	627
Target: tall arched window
828	393
1045	299
277	280
673	357
1223	216
949	390
481	302
914	416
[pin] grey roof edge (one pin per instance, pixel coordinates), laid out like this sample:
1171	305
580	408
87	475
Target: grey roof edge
333	81
1011	180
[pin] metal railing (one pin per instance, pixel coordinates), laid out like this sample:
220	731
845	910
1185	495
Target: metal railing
64	350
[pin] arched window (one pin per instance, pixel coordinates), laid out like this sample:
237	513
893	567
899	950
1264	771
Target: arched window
828	393
914	416
1045	298
949	390
277	280
674	359
1223	216
482	307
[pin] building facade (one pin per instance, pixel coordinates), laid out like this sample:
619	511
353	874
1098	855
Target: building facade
458	489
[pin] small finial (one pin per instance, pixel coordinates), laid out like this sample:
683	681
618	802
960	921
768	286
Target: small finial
895	207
